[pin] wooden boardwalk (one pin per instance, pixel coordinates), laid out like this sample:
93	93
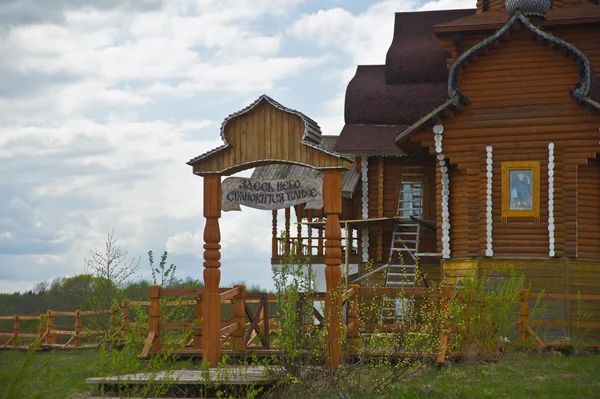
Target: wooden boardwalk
192	381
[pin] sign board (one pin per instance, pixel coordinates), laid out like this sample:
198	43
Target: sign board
272	194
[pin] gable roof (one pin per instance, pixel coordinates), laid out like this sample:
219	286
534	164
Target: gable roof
586	90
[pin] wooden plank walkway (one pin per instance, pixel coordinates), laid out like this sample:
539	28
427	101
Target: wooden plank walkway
229	375
191	382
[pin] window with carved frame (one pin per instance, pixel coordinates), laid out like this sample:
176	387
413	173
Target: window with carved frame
521	190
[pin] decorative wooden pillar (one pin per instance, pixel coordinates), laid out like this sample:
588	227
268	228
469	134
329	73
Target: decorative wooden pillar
238	315
78	328
154	318
332	199
211	302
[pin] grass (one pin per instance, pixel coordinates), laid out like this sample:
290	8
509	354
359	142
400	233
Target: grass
61	374
55	374
516	376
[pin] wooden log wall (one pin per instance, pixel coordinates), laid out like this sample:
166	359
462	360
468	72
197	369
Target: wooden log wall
588	209
520	102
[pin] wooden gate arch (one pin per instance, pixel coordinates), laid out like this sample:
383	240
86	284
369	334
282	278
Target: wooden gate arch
263	133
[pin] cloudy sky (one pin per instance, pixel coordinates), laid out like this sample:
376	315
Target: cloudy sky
101	106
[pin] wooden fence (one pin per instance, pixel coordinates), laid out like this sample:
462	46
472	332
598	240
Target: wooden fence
251	321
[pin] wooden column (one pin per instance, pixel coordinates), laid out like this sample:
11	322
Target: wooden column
238	315
299	230
78	328
211	301
154	318
309	216
274	252
287	232
332	199
320	237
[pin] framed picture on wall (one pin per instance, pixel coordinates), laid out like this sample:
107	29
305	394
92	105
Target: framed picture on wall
521	190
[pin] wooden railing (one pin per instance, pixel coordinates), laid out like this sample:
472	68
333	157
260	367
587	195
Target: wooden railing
526	326
313	246
50	335
250	325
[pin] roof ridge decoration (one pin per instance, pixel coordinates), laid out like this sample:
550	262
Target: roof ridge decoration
456	99
528	7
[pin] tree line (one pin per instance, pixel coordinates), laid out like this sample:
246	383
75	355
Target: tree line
109	276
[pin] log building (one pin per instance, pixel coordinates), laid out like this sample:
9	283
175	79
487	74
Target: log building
474	146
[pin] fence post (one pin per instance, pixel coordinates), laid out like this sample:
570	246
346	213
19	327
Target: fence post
16	331
238	313
125	316
78	328
50	337
154	320
523	314
42	330
198	320
446	295
353	319
265	314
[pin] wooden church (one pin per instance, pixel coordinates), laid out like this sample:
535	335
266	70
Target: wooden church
473	148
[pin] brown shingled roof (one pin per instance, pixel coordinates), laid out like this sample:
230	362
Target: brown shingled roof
369	139
369	100
415	55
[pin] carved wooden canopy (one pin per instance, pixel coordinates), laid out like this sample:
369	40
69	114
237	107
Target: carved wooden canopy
264	133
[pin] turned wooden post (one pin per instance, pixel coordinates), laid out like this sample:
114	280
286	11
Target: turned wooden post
523	314
238	315
299	230
309	216
50	336
198	320
154	318
354	319
332	200
320	237
211	302
42	329
274	246
287	232
78	328
446	295
16	331
125	316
